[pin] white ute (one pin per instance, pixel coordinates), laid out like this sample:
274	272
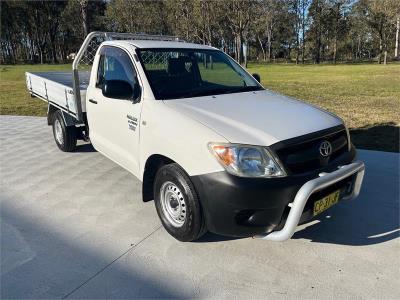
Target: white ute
213	148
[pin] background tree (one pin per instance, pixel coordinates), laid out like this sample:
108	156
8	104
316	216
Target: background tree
239	14
303	23
136	16
338	21
291	30
269	15
381	18
181	17
396	47
319	14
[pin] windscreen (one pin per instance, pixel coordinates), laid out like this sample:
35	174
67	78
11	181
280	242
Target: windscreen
184	73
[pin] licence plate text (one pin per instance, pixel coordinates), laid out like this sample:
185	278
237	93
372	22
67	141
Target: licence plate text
326	202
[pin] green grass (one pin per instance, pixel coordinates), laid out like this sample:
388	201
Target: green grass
14	97
361	94
366	96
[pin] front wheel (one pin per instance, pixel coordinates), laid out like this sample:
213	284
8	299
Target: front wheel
177	204
65	136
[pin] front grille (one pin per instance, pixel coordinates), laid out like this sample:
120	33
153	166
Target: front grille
300	155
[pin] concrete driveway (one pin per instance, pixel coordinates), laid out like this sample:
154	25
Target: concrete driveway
73	226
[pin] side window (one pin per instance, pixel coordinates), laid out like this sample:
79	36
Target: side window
115	64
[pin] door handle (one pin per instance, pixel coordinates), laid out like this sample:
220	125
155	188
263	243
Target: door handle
92	101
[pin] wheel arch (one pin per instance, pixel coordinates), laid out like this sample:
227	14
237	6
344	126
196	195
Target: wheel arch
51	111
153	164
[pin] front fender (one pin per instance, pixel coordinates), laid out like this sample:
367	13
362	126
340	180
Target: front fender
178	137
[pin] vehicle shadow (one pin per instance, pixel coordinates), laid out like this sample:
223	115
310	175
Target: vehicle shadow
373	217
357	225
381	137
210	237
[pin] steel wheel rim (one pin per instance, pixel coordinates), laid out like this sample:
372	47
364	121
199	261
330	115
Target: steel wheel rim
173	204
58	132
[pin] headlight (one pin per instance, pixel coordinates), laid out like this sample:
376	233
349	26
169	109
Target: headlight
247	161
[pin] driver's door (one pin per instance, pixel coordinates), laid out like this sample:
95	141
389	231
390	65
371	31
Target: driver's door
114	123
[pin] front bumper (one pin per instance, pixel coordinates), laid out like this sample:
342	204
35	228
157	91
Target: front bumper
270	208
324	180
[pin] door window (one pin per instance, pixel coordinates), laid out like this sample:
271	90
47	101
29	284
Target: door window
115	64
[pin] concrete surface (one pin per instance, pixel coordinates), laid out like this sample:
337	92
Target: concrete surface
74	226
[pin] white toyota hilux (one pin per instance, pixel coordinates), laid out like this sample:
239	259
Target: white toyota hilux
213	148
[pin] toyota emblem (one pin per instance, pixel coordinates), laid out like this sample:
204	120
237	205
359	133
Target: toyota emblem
325	149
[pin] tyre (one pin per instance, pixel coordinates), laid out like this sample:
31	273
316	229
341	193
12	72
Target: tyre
177	204
65	136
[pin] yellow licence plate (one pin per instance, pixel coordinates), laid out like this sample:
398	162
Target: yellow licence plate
326	202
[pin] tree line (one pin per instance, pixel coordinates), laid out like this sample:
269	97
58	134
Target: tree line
301	31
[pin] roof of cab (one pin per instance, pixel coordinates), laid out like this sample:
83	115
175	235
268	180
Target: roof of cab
146	44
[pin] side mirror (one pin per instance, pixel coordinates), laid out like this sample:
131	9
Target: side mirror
118	89
257	77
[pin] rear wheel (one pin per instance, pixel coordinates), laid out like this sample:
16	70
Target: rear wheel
64	136
177	204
